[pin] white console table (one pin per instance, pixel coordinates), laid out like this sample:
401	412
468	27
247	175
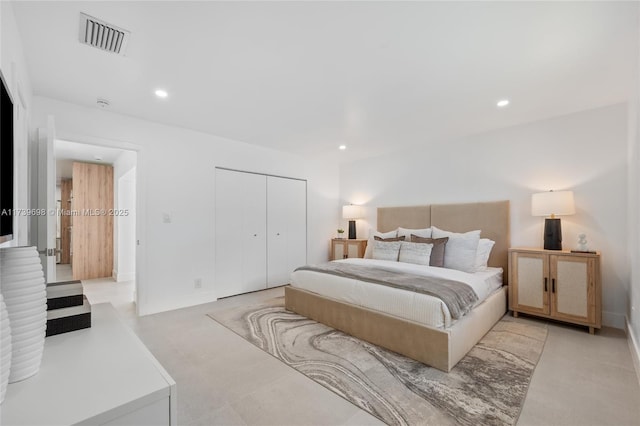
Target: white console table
100	375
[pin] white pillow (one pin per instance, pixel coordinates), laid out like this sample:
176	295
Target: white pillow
482	255
424	233
386	250
460	251
368	252
418	253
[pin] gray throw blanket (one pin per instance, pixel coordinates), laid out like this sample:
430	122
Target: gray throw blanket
458	296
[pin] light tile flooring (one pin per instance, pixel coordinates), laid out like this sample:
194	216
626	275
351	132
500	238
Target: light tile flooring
223	380
103	290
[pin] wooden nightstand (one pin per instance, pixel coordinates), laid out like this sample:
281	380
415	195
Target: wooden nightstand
556	284
343	248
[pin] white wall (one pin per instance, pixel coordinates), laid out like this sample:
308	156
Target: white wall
13	66
176	176
584	152
124	235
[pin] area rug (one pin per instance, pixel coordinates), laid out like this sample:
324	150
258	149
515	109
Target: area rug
487	387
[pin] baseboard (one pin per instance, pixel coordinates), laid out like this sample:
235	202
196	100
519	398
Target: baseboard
614	319
124	276
634	347
198	298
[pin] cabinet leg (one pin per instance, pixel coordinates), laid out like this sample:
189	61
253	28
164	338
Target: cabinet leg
592	330
515	314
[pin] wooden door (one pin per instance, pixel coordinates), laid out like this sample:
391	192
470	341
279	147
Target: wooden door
241	226
92	236
286	228
573	288
531	283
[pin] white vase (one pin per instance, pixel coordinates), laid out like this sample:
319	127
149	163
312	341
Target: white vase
5	348
25	296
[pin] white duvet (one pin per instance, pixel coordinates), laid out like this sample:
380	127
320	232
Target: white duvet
421	308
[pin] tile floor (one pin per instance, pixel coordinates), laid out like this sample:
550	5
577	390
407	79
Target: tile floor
223	380
103	290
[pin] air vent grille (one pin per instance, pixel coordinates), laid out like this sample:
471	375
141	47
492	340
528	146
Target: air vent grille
97	33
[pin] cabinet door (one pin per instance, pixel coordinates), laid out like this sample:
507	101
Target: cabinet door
353	249
241	260
573	288
287	228
337	250
530	283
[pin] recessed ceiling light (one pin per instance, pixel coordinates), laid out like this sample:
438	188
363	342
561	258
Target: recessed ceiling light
342	147
161	93
503	103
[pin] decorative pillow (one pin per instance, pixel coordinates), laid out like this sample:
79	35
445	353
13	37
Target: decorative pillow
437	251
418	253
424	233
388	240
386	250
461	249
482	255
372	234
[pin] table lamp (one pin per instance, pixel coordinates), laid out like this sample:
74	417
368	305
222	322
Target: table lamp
352	213
552	204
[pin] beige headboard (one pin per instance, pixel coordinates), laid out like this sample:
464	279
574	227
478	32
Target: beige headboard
492	218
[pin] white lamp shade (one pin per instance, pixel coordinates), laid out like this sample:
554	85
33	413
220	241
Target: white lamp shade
552	203
351	212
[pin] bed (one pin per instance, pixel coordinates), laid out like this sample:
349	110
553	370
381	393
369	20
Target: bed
399	321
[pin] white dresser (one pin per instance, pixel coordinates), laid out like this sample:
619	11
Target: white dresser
100	375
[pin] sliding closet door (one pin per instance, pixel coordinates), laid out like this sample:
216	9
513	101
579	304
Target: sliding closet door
241	232
287	228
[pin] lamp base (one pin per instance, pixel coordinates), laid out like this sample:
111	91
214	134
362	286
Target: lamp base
552	234
352	229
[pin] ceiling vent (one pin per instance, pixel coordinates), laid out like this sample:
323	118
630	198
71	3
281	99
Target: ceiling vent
97	33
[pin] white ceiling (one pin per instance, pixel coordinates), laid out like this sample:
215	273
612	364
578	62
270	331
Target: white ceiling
67	152
306	77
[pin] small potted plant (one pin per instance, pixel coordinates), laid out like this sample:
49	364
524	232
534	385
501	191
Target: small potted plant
340	233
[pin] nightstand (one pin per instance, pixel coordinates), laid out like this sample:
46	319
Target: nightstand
344	248
557	285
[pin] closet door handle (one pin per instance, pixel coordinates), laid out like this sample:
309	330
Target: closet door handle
546	288
553	285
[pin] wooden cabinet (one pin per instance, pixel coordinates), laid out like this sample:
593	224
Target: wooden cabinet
344	249
556	284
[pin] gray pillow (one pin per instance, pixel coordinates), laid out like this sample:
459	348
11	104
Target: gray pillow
418	253
383	250
437	251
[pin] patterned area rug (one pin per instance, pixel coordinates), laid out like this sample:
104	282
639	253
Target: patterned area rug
487	387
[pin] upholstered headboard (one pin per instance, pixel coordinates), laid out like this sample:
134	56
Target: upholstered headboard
492	218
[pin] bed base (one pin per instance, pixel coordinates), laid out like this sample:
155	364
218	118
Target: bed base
439	348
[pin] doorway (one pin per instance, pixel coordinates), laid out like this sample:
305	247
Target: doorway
96	227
